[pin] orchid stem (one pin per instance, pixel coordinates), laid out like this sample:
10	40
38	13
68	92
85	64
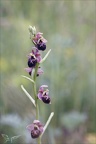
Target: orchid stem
36	98
35	93
39	140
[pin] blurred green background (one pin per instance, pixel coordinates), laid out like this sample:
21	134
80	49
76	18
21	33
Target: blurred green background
69	71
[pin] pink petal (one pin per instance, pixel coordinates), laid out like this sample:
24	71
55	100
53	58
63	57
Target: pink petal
30	127
36	121
40	96
35	51
41	89
28	70
38	35
39	59
41	129
44	86
40	71
44	40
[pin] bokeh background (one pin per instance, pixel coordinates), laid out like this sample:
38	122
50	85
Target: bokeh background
69	71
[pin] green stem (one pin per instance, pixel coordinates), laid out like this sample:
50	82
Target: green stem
35	93
36	98
36	101
39	140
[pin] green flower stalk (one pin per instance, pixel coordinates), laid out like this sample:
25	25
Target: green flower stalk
34	60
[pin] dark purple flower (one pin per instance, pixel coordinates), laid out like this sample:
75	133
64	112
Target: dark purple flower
32	60
29	70
43	94
34	57
41	45
39	41
36	53
36	128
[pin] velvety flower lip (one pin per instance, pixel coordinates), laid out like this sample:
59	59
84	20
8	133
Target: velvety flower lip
34	57
36	128
32	60
41	46
39	41
29	70
43	94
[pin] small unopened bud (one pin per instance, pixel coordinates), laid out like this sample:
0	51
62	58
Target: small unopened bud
32	30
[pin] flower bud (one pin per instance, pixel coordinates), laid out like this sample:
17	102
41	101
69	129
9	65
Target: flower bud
32	30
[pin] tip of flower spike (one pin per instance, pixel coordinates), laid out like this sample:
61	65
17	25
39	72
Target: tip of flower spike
32	30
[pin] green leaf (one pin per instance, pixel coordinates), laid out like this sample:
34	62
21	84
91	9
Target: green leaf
28	95
47	123
45	56
28	78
